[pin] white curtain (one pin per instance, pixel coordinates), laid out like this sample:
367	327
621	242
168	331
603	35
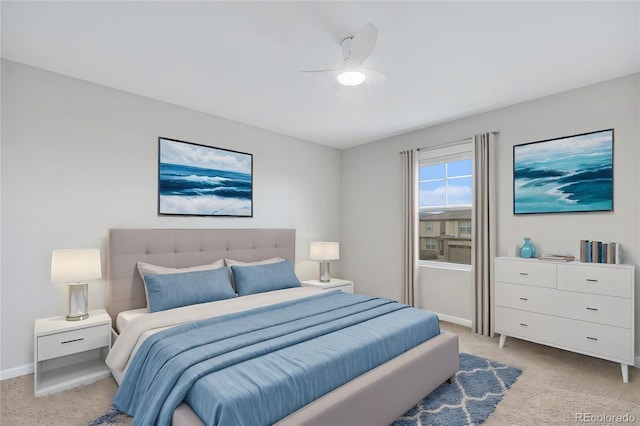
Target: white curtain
409	226
483	225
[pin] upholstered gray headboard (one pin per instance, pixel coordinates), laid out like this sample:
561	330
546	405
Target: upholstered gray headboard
179	248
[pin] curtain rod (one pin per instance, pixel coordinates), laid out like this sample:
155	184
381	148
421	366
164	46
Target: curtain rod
451	143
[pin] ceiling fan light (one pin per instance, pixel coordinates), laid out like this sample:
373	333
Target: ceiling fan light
351	78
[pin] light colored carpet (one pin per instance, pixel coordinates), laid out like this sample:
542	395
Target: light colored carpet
554	387
77	406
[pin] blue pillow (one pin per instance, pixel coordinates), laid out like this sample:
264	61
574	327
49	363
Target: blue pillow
262	278
168	291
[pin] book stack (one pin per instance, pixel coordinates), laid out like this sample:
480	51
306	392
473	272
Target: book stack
556	257
599	252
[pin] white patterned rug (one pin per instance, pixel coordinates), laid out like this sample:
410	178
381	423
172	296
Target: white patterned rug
480	385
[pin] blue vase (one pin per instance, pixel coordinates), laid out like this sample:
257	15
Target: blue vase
527	250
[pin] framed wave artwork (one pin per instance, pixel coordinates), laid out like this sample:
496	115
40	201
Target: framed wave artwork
200	180
562	175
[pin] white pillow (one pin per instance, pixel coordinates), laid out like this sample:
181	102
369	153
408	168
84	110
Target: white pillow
231	262
149	269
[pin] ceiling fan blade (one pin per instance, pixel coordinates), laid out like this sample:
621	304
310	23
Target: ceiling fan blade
329	70
363	44
374	76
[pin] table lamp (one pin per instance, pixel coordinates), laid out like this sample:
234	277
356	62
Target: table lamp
76	267
324	252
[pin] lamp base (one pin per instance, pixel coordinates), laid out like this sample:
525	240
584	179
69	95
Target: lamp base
78	297
324	271
77	317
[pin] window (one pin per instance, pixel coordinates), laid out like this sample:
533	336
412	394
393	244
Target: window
445	203
430	244
465	227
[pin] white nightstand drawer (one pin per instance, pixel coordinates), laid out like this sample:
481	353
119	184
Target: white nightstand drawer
526	272
610	281
73	341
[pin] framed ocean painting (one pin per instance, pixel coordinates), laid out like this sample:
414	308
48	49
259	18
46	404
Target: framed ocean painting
562	175
200	180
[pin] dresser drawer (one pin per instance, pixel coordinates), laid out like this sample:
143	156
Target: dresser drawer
597	339
535	273
594	308
526	325
73	341
525	297
609	281
592	339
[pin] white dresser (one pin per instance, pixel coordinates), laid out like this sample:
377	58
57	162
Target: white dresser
581	307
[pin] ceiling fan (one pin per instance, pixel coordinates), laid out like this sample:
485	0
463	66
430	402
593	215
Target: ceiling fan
355	50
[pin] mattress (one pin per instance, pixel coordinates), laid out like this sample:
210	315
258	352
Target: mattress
125	317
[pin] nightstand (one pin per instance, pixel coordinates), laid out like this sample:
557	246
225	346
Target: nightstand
70	353
333	284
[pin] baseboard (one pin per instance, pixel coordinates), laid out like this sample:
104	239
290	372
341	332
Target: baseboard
16	372
455	320
637	362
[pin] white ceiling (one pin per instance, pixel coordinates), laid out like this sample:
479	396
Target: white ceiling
241	60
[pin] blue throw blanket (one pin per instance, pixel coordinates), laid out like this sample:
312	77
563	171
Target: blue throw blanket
258	366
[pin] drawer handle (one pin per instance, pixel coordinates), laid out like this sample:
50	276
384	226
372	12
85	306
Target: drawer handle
524	298
592	309
524	274
592	338
524	325
591	280
72	341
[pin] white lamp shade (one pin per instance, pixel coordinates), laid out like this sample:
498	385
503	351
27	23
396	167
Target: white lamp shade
75	265
324	251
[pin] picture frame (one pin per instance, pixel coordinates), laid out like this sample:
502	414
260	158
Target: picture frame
201	180
569	174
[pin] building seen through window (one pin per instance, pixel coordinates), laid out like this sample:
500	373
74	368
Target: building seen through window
445	205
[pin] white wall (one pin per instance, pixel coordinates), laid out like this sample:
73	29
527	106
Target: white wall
372	199
447	292
78	159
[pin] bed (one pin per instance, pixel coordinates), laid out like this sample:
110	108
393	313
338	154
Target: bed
378	396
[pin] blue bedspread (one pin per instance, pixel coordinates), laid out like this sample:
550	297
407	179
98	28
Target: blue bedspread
258	366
